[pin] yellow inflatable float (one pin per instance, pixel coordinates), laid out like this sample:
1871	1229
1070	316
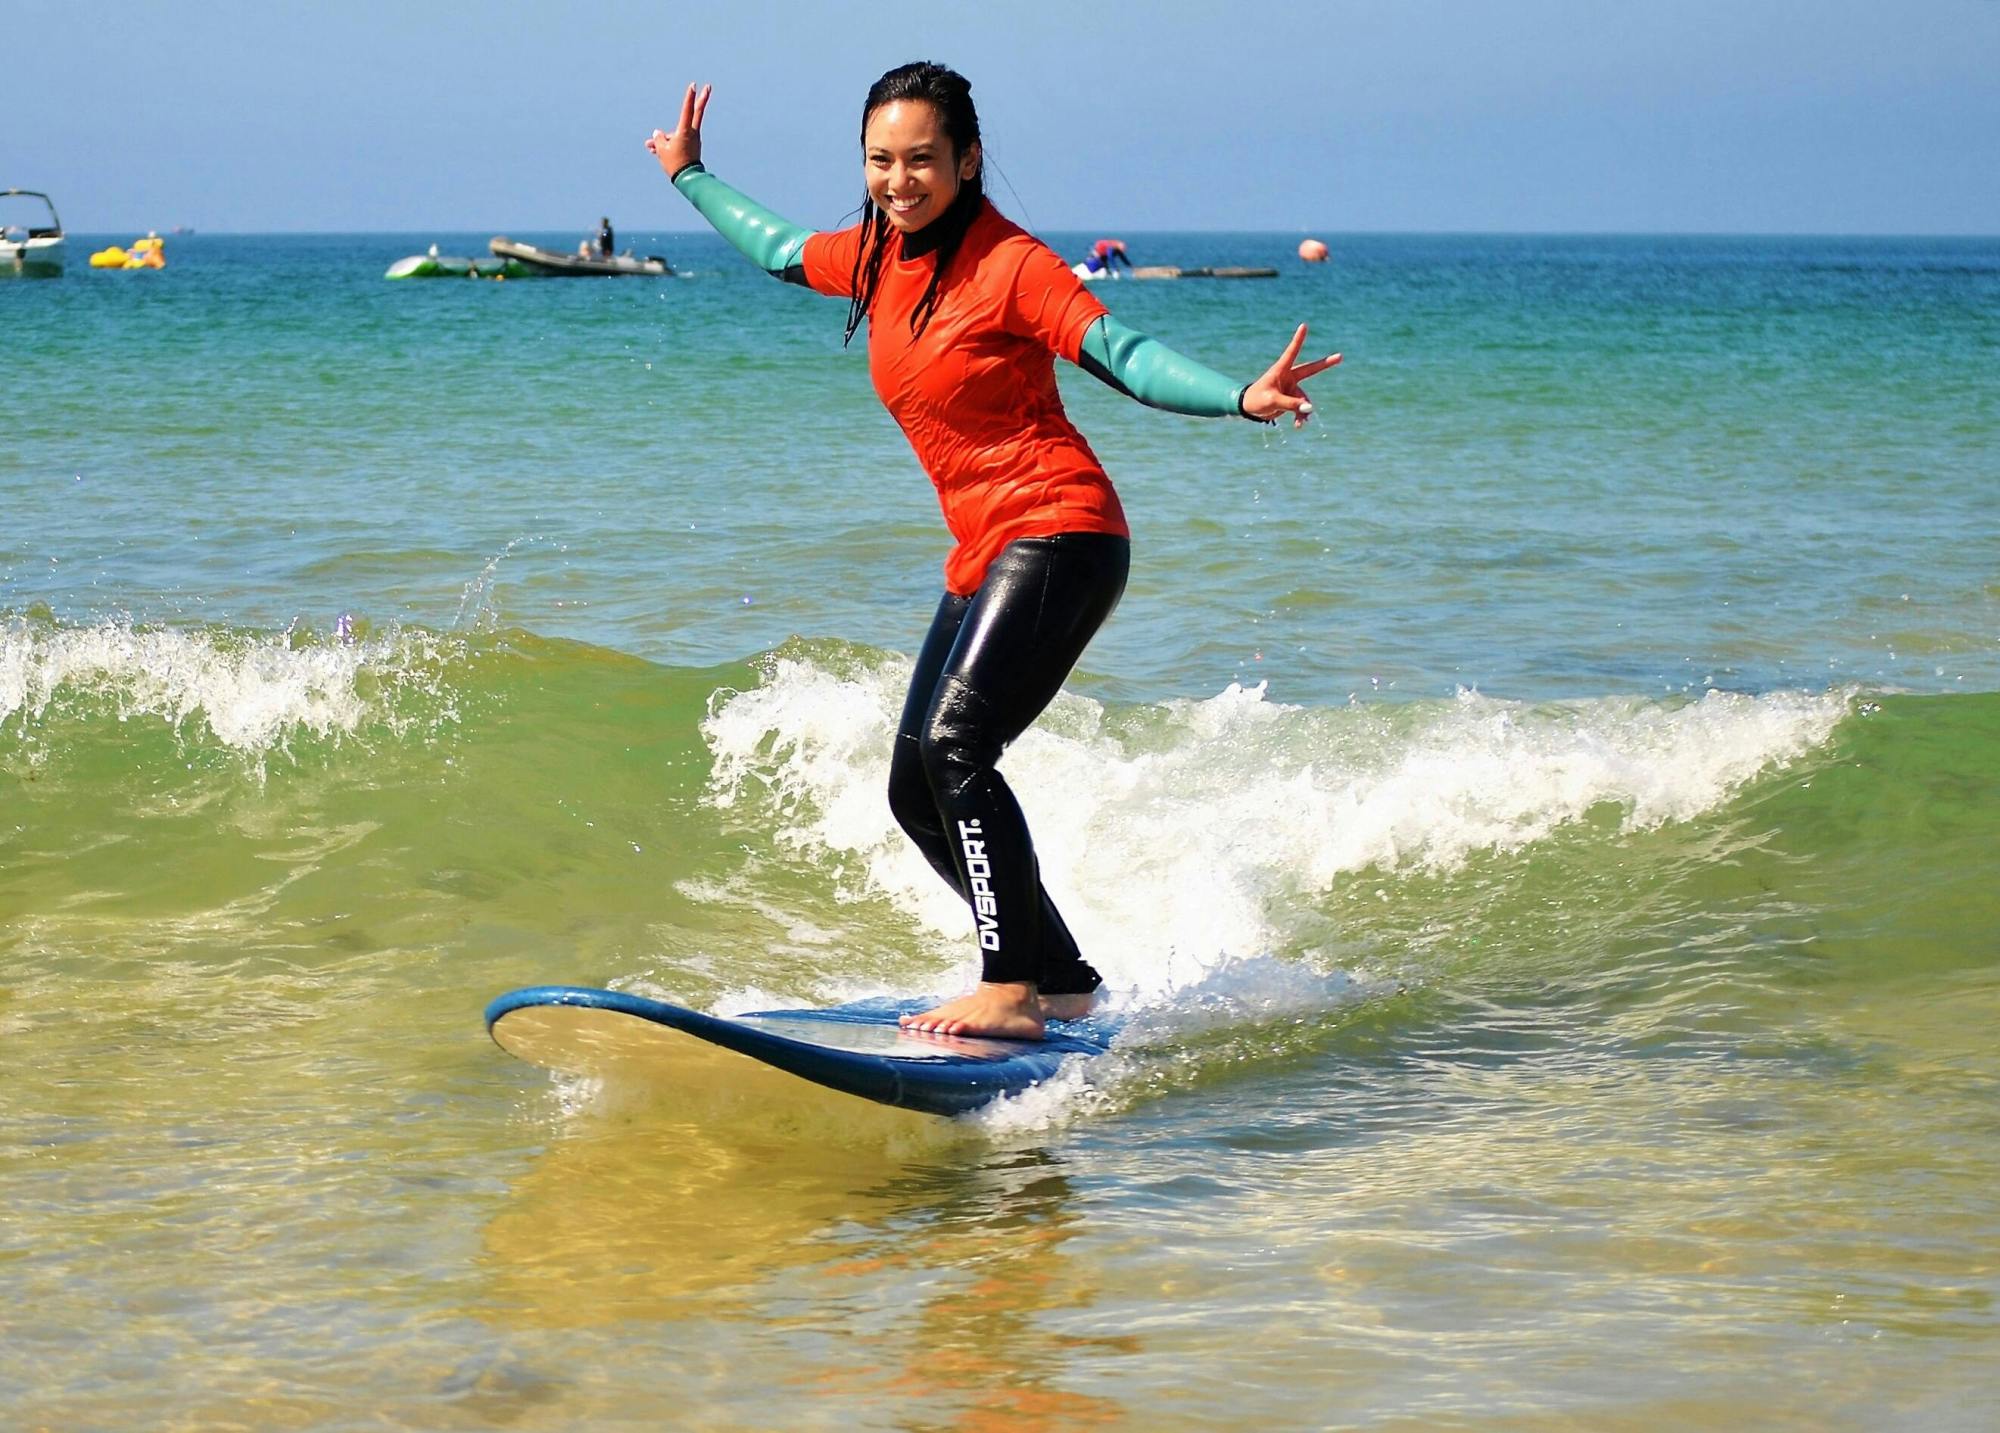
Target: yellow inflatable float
147	253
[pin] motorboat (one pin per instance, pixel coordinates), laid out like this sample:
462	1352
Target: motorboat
25	246
588	263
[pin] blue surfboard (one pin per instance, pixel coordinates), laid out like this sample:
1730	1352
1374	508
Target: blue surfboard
855	1049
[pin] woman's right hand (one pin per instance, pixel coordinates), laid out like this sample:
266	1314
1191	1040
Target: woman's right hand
678	150
1277	392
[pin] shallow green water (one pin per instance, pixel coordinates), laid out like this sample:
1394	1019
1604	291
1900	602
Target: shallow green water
1539	821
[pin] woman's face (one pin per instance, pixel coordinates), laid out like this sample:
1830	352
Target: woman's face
907	160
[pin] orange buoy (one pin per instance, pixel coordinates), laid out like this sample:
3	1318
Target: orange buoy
1313	251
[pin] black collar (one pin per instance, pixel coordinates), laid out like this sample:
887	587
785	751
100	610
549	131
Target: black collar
949	225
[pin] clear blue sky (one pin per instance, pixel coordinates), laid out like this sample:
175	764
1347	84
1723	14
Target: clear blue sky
1821	116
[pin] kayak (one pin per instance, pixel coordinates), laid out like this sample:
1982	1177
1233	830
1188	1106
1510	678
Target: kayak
447	266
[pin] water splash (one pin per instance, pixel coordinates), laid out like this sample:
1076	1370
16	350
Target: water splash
1170	1039
1176	838
252	693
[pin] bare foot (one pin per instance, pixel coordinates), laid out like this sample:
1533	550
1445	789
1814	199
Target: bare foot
1004	1012
1068	1007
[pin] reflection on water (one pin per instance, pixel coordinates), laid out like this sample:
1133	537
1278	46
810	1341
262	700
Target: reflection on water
1495	1205
640	1215
888	1260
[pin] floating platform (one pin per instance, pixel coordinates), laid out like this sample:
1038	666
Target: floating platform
1168	271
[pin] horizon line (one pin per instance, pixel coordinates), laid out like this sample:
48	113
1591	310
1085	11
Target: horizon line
1288	231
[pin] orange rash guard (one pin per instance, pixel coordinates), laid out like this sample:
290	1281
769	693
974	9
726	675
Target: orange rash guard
975	393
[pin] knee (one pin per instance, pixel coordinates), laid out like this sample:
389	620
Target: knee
957	741
910	799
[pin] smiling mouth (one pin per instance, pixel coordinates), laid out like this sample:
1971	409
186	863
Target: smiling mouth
904	206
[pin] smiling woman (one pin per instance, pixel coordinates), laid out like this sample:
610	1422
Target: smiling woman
967	313
922	160
909	163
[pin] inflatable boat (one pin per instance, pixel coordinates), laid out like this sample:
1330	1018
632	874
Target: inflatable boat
548	261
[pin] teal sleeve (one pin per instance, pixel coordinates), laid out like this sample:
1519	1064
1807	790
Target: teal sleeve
772	244
1146	369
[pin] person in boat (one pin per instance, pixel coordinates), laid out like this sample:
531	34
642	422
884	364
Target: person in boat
607	245
966	314
1105	256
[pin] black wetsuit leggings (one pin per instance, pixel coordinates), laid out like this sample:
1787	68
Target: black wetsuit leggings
991	662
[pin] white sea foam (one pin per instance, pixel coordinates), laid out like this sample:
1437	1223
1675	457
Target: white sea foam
251	693
1255	994
1175	839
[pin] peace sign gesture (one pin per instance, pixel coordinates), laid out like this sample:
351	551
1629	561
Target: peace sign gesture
678	150
1278	391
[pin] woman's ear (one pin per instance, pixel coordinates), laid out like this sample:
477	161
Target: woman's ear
968	163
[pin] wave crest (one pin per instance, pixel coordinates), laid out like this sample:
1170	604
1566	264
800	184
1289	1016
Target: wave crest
1175	837
250	692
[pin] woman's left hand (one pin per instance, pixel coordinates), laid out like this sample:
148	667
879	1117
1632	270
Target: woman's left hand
1278	392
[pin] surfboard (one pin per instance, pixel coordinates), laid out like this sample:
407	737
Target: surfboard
855	1049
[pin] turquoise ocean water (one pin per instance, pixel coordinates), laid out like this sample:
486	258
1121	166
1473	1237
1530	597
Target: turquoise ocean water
1539	822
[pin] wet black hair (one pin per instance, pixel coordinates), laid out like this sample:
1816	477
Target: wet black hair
950	94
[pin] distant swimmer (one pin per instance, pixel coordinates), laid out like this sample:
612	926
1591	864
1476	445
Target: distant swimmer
967	313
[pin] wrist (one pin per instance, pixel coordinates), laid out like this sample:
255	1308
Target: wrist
1242	406
693	166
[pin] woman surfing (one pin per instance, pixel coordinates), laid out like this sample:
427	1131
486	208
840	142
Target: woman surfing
966	315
